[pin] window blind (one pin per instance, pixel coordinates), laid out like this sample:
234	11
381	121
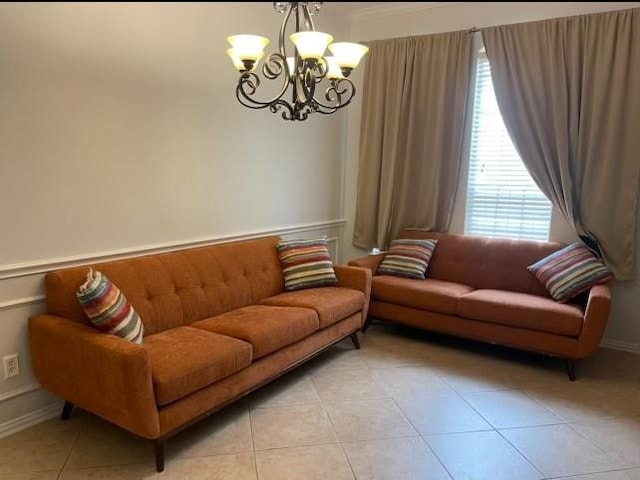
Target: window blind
502	198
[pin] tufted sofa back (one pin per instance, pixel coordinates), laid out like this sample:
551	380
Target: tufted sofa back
483	262
177	288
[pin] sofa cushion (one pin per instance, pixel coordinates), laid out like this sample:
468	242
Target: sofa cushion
266	328
570	271
408	258
332	304
186	359
306	263
521	310
433	295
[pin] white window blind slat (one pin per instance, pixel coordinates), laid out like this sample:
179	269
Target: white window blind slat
502	198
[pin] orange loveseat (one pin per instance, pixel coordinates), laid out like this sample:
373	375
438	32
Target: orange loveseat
480	288
217	323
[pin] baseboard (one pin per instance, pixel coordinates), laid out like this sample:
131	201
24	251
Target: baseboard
30	419
31	387
630	347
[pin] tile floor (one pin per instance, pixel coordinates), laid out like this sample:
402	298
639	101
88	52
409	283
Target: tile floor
408	405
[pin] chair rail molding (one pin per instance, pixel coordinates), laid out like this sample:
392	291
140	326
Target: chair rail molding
21	302
42	266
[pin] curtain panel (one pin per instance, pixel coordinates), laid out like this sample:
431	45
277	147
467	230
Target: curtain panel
413	114
569	92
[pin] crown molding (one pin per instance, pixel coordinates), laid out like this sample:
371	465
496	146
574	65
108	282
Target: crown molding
398	8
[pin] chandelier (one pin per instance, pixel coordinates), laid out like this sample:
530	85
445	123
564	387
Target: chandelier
303	74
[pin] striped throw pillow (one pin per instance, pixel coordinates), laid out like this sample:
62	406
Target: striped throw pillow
407	258
306	263
570	271
108	309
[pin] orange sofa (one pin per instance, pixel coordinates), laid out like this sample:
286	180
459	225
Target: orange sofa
480	288
217	323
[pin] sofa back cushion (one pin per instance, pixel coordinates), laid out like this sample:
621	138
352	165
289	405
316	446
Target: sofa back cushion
484	262
177	288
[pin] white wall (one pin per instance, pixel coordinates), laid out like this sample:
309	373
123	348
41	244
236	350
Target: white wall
407	20
120	130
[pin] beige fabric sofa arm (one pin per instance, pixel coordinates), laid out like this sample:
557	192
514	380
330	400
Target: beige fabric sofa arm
371	262
358	279
595	319
102	373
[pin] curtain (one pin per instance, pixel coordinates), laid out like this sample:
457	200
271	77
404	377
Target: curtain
414	106
569	92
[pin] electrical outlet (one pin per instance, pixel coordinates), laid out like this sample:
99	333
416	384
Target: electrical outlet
11	366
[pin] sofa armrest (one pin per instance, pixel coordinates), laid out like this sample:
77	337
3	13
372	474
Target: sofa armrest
358	279
371	262
102	373
596	317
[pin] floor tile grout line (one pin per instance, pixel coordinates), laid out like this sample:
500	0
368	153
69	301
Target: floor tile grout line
475	410
344	452
324	408
253	443
515	447
404	415
501	436
595	473
561	422
313	444
543	406
73	445
435	455
492	389
593	442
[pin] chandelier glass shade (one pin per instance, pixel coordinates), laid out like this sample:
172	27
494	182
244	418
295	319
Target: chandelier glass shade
310	80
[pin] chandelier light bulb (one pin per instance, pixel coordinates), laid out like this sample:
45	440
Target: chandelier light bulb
333	71
237	63
291	62
241	65
248	47
311	45
348	55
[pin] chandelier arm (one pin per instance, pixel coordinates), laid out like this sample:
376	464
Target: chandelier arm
308	85
248	85
323	109
334	94
320	70
283	32
249	82
274	66
287	114
308	22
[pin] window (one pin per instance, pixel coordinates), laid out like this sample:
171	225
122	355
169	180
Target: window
502	198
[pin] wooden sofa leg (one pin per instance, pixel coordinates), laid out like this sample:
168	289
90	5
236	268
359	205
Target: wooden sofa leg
354	339
367	322
66	410
571	369
161	447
